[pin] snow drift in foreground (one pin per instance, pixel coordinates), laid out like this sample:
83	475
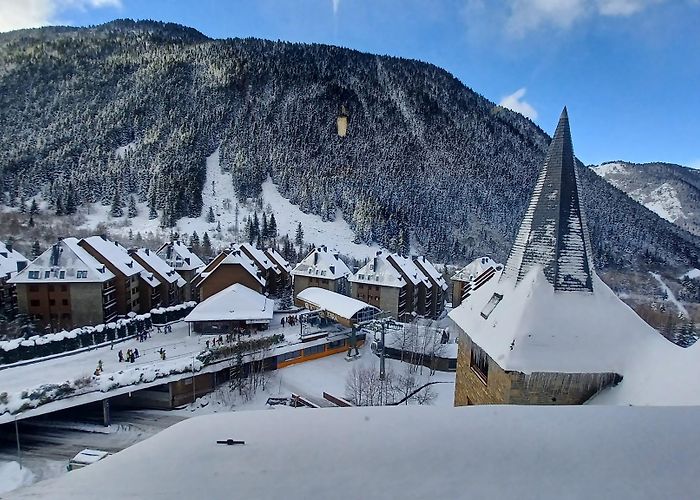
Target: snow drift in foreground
405	452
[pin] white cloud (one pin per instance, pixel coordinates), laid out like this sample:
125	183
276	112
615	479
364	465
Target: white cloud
336	6
18	14
525	16
516	103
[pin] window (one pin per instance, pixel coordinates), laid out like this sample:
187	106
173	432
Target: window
81	274
52	302
308	351
64	288
491	305
47	274
288	355
33	275
34	303
479	363
336	343
62	275
64	302
376	288
51	288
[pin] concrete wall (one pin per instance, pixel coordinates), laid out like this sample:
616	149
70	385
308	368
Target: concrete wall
86	301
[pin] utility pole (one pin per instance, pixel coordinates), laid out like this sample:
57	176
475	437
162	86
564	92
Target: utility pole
194	391
19	450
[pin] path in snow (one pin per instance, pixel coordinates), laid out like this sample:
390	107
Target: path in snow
671	297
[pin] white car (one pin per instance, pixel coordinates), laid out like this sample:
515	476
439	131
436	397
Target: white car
85	458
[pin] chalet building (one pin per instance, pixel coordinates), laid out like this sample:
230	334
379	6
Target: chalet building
284	278
419	288
171	284
231	309
11	262
125	269
66	287
472	277
227	268
149	290
321	269
187	264
400	286
548	331
268	269
435	307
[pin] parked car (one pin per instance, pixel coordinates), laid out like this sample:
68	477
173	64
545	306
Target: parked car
85	458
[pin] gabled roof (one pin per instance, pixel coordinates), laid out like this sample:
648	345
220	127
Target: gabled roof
163	271
553	234
11	261
321	263
476	268
62	261
379	271
280	261
234	257
411	271
179	256
115	254
237	302
149	278
429	269
260	258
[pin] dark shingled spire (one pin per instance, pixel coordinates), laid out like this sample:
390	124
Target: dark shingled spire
553	233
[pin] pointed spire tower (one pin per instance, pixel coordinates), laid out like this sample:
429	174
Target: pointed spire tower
553	233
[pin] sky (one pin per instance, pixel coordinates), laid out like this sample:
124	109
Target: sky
628	70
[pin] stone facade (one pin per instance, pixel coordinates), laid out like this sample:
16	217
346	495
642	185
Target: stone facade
511	387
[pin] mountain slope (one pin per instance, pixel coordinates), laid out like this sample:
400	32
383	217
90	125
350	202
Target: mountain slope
425	160
671	191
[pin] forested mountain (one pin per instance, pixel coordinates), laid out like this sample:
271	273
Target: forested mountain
425	160
672	191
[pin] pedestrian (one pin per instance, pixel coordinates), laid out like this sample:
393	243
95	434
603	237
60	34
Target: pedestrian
128	354
207	343
136	353
282	321
162	353
120	354
99	365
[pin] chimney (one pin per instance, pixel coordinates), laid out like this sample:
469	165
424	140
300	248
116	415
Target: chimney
374	264
9	243
337	257
315	258
55	254
147	251
187	260
332	269
103	236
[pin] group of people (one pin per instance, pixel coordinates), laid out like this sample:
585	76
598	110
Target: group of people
289	320
130	355
166	329
219	341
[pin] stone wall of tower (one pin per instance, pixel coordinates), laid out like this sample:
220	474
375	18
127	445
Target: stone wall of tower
509	387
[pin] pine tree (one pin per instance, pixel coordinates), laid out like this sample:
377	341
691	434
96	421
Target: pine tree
299	237
59	207
22	205
194	242
272	227
218	227
152	212
131	235
116	209
132	211
34	208
70	204
210	215
36	249
264	230
31	221
206	245
255	226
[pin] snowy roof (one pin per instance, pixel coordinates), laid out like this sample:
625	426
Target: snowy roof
336	303
411	271
476	268
237	302
417	452
280	261
260	258
179	256
379	271
150	278
429	269
116	254
65	261
236	257
553	234
322	263
11	261
151	259
533	328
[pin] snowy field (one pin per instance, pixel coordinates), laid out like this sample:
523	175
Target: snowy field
218	193
410	452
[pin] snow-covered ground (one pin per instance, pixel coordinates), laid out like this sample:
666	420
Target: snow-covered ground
610	168
579	452
13	477
663	201
218	193
671	296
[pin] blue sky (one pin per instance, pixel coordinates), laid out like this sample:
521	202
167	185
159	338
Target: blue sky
629	70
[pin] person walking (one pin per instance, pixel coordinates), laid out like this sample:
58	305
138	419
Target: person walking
120	355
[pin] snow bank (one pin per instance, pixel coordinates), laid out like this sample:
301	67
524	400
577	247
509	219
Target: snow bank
408	452
12	477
